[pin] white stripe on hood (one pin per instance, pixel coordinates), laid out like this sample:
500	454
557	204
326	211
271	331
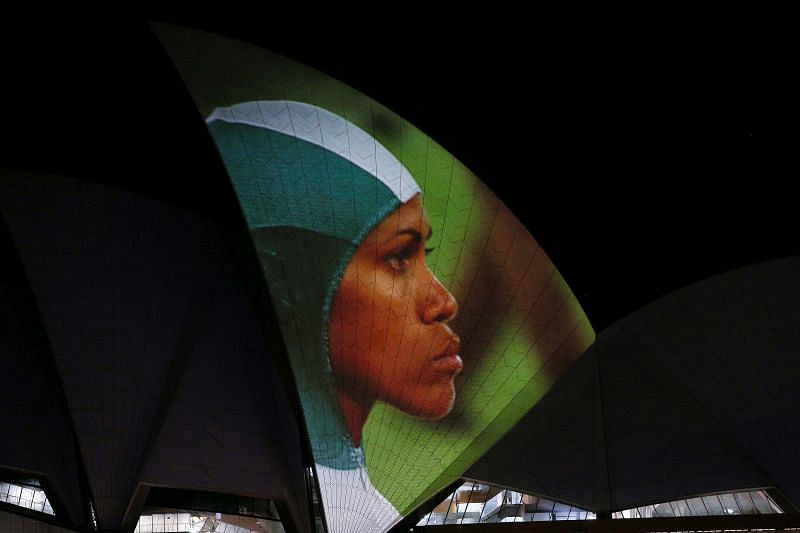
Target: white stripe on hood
322	128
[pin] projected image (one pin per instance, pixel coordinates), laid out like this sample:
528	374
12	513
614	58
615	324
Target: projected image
421	319
341	234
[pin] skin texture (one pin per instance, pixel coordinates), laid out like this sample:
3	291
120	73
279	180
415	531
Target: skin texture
388	334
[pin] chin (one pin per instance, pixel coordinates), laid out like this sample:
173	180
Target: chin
438	409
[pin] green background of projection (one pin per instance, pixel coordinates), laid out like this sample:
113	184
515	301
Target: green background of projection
520	324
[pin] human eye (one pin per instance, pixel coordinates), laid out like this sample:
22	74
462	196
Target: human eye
400	260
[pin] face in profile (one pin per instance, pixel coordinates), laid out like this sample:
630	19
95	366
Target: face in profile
388	334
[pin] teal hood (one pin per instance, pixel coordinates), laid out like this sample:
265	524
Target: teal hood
312	186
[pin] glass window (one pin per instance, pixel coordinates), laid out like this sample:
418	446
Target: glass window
681	508
761	502
494	504
696	507
561	511
713	505
729	505
664	509
745	503
474	502
25	495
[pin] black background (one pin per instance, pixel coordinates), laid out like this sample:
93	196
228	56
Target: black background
644	150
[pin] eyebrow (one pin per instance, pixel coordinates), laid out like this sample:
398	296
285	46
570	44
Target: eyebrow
416	235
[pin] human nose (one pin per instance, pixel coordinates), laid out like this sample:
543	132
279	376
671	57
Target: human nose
439	304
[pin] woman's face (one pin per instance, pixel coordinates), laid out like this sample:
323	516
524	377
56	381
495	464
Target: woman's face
388	335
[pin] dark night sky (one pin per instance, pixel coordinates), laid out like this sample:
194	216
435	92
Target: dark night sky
644	151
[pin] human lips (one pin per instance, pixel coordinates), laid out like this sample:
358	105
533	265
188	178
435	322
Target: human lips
449	360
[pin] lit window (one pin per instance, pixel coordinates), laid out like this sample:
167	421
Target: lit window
474	502
730	503
28	496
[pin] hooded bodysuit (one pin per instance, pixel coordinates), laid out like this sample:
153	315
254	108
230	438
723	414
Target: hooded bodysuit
312	186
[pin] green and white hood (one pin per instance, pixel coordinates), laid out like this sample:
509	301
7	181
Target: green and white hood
312	186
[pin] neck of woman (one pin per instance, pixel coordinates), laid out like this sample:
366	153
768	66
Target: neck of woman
355	414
